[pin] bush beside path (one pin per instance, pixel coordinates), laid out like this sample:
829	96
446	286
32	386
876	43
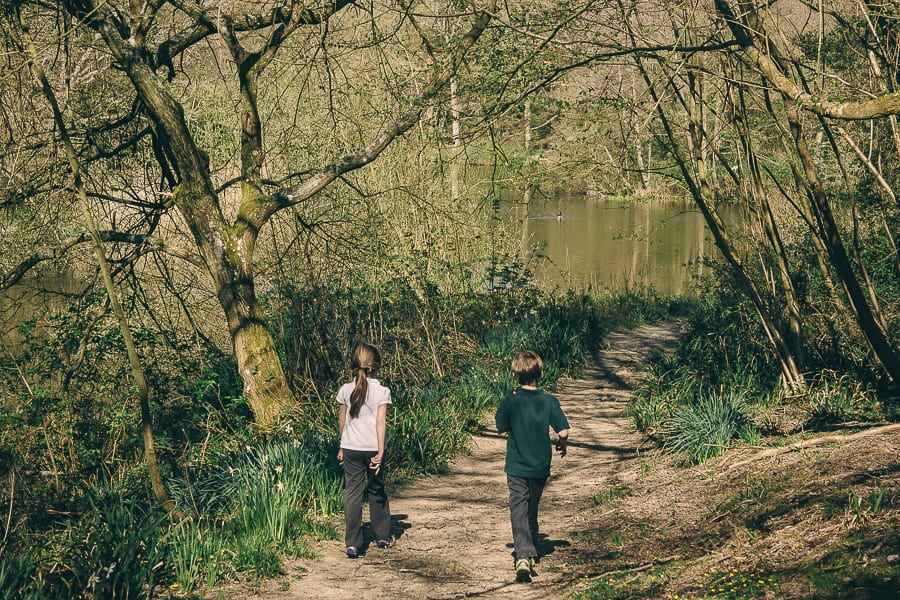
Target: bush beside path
453	537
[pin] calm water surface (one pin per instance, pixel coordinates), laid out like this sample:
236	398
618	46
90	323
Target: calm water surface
616	245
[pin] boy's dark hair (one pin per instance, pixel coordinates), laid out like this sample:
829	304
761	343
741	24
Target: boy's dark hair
527	367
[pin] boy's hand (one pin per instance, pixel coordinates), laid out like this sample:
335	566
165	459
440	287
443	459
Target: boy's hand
562	446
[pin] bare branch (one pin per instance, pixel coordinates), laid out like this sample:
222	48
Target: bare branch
14	275
853	110
370	152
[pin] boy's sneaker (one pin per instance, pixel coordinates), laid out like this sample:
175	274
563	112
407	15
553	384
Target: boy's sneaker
352	552
384	543
524	567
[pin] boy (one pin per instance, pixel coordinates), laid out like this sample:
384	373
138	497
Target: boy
526	415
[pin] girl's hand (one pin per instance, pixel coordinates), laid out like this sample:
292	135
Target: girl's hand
375	463
340	456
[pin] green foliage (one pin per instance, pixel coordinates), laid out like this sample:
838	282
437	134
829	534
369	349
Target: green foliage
725	344
837	398
18	578
704	428
268	487
610	494
447	362
112	551
862	507
187	545
428	429
667	384
202	554
255	555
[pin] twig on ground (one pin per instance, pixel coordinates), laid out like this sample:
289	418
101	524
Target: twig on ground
660	561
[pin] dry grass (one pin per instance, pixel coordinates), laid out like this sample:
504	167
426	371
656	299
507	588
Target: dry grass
814	522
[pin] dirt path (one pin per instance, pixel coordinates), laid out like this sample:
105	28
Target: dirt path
453	532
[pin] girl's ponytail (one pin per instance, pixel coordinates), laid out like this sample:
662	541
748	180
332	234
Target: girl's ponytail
366	359
358	395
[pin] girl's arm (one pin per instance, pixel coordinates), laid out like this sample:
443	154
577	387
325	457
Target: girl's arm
342	420
381	432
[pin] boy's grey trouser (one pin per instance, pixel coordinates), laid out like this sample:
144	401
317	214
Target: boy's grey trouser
524	497
359	478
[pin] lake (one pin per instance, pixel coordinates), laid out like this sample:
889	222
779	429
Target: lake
613	245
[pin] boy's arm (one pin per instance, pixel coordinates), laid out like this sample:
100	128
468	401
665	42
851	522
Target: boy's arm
500	419
562	441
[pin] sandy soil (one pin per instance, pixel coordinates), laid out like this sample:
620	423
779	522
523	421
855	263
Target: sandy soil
453	537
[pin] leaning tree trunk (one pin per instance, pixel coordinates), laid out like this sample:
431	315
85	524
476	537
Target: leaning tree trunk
773	235
829	233
137	370
787	361
704	198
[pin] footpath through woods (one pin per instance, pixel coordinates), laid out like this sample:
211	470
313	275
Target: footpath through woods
453	536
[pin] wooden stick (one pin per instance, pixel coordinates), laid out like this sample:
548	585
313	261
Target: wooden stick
825	439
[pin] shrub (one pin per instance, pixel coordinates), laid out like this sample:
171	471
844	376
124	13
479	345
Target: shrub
835	398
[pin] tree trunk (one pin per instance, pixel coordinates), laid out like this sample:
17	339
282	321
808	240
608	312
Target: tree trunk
770	226
266	389
526	196
455	140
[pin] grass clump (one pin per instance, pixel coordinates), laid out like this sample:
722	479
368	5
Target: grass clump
608	495
705	428
836	398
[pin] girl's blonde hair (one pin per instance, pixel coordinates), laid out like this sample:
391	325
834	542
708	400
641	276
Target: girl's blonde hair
365	362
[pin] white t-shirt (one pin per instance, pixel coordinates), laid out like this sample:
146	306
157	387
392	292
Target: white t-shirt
359	432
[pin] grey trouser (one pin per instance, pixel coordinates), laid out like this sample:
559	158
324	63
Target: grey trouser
359	478
524	496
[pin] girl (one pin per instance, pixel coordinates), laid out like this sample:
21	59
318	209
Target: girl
363	421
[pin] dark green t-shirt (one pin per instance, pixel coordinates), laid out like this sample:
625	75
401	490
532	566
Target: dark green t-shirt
527	415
